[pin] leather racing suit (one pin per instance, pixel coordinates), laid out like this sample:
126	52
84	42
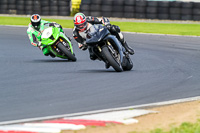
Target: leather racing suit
80	36
35	34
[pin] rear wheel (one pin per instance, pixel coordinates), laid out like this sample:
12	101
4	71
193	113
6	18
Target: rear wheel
67	52
113	61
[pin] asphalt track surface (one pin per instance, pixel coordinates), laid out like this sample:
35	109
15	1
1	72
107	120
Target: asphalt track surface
33	85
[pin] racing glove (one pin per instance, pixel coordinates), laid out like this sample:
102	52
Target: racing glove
105	21
82	46
57	25
39	44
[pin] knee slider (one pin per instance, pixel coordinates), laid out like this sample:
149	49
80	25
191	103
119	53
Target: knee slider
115	28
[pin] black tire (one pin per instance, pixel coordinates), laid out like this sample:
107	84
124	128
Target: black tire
118	14
64	9
44	3
20	2
129	15
128	64
12	7
196	5
141	3
186	17
186	11
64	13
129	9
163	3
151	16
163	10
163	16
106	8
11	2
87	13
140	15
152	3
174	10
152	10
111	59
96	13
106	14
45	9
129	2
85	1
118	2
187	4
196	11
28	2
95	7
84	7
63	3
53	2
117	8
45	13
196	17
20	7
176	4
107	2
3	2
96	2
3	7
175	16
68	53
140	9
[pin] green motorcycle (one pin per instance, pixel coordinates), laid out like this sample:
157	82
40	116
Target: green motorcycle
57	43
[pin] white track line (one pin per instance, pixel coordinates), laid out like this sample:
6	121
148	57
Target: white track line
104	110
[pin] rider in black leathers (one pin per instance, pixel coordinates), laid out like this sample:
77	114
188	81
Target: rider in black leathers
83	23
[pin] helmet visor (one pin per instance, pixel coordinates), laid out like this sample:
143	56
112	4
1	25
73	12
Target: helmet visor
36	24
81	26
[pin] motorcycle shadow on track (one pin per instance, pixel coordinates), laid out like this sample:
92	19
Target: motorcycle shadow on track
100	71
49	61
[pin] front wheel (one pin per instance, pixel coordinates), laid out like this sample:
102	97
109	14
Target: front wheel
127	63
111	59
68	53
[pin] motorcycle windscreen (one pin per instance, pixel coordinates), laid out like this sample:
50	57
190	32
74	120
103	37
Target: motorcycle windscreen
50	35
96	33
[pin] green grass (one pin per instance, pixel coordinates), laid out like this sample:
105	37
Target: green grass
160	28
185	127
163	28
26	20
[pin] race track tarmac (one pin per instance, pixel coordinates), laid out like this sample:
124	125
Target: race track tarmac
33	85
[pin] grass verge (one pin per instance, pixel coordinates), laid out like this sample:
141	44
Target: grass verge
140	27
185	127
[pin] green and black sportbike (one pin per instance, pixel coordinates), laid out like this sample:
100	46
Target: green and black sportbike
57	43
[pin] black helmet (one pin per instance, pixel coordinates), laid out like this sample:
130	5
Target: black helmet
35	21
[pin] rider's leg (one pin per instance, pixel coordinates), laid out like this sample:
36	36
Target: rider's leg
124	43
92	55
44	50
116	31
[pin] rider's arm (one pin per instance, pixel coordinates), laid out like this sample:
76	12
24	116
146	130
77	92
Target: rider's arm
81	42
33	39
55	25
95	20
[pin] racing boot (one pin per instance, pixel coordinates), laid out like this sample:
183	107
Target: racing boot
45	51
128	49
124	44
92	55
107	65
